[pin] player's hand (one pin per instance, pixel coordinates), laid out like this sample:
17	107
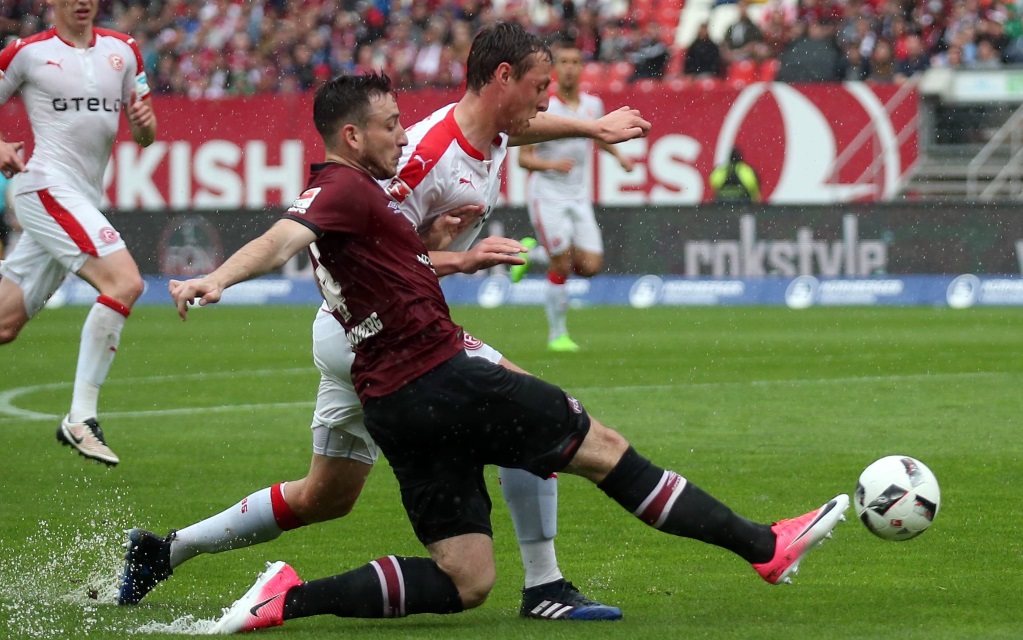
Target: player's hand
140	113
185	293
621	125
563	166
626	163
448	225
492	251
10	158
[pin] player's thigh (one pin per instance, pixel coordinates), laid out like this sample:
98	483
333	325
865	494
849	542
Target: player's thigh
476	348
67	225
115	274
552	221
469	561
586	235
35	274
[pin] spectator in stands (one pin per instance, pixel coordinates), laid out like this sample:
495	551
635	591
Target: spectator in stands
812	58
650	53
735	181
988	56
853	67
951	58
916	60
613	43
743	39
703	58
882	63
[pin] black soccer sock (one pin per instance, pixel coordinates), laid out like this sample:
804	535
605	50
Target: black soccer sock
668	502
390	587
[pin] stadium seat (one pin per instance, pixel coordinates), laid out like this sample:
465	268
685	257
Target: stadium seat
619	71
744	71
769	69
647	85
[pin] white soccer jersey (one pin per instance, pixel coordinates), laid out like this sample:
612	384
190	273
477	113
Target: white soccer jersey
552	185
74	99
439	171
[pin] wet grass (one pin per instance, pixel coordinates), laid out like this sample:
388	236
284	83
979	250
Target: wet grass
771	410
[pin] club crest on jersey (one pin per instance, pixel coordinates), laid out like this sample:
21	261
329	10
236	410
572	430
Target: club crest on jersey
116	61
398	190
471	342
304	201
108	235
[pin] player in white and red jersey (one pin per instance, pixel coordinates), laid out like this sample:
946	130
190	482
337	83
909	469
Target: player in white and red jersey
559	202
452	162
449	415
75	81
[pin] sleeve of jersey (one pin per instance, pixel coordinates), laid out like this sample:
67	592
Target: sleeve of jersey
329	208
10	75
140	83
416	188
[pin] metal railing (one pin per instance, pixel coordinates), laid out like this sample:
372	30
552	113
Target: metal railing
868	135
1010	174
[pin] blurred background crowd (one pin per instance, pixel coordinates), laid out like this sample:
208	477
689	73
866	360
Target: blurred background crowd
216	48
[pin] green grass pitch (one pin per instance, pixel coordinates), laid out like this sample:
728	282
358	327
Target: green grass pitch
771	410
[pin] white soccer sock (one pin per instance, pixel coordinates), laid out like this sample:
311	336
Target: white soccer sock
101	334
533	504
538	255
556	306
251	521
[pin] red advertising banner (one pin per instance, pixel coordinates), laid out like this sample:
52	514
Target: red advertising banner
810	144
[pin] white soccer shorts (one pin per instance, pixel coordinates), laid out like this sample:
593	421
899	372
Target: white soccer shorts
562	224
338	429
62	229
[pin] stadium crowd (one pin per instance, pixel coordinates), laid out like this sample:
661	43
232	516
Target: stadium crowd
215	48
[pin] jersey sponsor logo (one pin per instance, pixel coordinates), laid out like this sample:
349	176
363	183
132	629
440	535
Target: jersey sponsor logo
108	235
304	201
116	61
87	104
365	329
398	190
471	342
59	63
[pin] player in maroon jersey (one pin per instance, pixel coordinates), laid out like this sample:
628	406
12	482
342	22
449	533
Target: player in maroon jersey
447	415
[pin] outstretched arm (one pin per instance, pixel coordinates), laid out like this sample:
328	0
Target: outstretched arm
491	251
264	254
617	126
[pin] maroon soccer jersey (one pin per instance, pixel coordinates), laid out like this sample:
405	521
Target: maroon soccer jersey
377	278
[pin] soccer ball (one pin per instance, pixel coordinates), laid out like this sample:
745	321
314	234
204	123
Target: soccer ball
897	497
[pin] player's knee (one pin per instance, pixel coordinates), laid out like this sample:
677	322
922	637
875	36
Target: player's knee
587	270
474	587
8	333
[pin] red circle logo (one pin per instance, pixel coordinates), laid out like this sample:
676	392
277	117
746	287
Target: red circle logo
108	235
116	61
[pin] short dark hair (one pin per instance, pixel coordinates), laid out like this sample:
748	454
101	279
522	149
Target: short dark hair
345	99
502	42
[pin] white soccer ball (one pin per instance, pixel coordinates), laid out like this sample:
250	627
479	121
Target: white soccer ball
897	497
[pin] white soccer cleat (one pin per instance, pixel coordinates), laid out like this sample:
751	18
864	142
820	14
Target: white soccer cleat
87	439
796	537
262	606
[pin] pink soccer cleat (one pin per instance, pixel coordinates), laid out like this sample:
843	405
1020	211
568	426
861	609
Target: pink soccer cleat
262	605
797	536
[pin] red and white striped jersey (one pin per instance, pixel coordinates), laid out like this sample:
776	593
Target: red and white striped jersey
439	171
74	98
